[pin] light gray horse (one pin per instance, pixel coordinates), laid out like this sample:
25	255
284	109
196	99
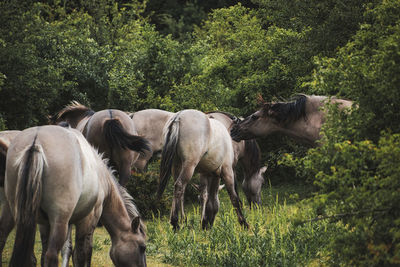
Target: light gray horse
301	118
55	178
111	131
248	154
195	142
149	124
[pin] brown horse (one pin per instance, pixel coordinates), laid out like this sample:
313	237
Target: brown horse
300	118
194	142
55	178
248	154
111	131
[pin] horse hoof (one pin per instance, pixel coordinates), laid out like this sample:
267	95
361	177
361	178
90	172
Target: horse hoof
175	227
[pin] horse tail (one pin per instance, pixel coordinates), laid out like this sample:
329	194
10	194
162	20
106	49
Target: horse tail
3	155
30	164
117	136
168	153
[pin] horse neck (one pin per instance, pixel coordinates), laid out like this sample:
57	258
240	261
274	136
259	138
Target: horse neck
115	217
303	131
249	163
307	130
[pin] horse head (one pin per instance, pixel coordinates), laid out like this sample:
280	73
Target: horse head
130	249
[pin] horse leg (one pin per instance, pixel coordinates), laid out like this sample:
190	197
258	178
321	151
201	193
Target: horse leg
228	177
44	237
84	239
6	225
57	237
185	174
124	173
212	204
66	250
203	195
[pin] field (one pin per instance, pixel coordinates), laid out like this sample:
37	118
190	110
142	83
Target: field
275	237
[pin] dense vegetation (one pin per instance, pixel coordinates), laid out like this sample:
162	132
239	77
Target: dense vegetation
209	55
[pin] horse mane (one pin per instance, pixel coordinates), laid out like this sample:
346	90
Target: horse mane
127	199
229	115
290	111
73	107
253	155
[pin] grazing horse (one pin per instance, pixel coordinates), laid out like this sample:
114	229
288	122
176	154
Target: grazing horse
111	131
55	178
195	142
149	124
248	154
301	118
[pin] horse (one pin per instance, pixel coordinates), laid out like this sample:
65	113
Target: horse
194	142
111	131
55	178
149	124
300	118
247	153
5	139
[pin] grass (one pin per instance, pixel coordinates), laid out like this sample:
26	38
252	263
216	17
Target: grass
272	240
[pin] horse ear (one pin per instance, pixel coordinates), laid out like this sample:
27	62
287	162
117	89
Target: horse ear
263	169
135	224
260	99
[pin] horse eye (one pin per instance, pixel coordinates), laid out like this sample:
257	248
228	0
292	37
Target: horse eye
254	117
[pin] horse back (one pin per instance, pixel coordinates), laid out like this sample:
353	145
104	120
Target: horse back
149	123
69	182
194	134
220	144
95	125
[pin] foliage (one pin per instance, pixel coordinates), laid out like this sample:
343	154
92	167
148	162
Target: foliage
142	186
360	180
367	70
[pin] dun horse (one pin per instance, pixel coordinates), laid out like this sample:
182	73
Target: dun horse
111	131
149	124
301	118
195	142
55	178
248	154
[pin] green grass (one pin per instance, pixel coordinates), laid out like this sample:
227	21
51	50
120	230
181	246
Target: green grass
273	239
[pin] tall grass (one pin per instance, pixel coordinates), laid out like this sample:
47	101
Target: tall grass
272	240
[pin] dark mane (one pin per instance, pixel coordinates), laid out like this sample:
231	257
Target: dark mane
286	112
253	155
127	199
229	115
73	109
